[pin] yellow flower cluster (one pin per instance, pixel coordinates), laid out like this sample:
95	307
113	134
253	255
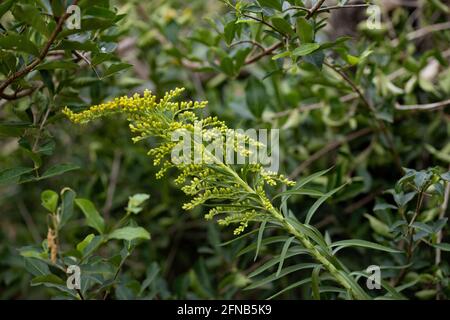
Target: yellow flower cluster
213	182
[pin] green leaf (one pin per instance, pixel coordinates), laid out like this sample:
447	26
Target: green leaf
383	206
362	243
426	294
379	226
49	200
57	170
135	201
308	179
319	202
229	31
227	66
260	235
286	271
12	175
47	279
92	246
305	30
129	233
274	4
18	43
290	287
36	267
76	45
421	178
293	251
67	198
442	246
282	25
30	15
5	6
307	192
305	49
93	218
100	12
83	244
283	254
114	68
281	55
256	96
52	281
57	64
265	241
315	282
151	274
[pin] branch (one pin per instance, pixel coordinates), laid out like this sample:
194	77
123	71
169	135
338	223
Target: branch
34	63
314	9
423	107
423	32
19	93
254	43
359	5
266	52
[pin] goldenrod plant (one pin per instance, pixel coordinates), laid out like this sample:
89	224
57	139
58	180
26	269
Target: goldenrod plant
239	195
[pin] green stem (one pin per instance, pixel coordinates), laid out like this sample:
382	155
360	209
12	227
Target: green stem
347	282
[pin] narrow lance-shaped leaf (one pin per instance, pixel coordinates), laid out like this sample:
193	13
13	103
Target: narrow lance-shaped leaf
319	202
361	243
283	254
260	235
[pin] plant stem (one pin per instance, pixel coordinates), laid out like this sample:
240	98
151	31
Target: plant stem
346	282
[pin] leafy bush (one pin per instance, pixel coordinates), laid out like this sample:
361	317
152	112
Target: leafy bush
363	140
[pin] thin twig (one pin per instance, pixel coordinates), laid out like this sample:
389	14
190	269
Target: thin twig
296	8
309	107
419	33
266	52
256	44
85	59
119	268
423	107
19	94
41	127
359	5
